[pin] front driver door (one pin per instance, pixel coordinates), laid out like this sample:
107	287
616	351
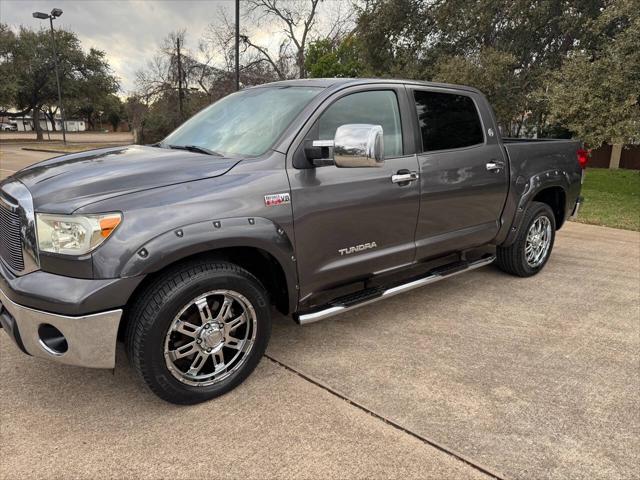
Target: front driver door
351	223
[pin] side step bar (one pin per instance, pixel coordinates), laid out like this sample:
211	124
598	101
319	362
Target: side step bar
435	276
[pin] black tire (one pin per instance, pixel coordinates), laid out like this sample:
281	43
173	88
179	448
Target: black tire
153	312
512	259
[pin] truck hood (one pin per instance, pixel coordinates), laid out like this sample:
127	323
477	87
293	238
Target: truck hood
66	183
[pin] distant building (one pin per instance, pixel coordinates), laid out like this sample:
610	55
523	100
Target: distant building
25	124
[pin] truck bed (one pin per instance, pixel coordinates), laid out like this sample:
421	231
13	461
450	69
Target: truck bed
535	161
533	140
529	156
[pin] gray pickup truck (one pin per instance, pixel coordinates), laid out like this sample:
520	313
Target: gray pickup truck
312	197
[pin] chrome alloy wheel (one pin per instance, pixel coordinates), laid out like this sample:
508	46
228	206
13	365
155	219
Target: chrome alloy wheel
538	241
210	338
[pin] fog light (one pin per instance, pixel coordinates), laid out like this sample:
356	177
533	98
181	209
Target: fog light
52	339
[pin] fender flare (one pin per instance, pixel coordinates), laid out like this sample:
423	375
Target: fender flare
187	240
532	187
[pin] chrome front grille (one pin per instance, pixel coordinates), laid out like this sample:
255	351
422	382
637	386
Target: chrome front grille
18	242
10	237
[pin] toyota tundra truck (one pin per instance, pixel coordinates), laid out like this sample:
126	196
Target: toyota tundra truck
307	197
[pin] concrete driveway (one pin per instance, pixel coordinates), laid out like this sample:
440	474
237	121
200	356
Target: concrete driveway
480	376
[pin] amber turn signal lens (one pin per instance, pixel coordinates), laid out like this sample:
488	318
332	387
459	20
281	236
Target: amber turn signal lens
108	225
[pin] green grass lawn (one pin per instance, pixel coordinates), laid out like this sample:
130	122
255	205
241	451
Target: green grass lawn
611	198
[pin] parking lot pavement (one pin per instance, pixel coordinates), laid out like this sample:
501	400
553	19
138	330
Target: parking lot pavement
535	378
72	137
526	378
13	158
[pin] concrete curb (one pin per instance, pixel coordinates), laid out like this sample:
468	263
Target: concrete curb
33	149
42	150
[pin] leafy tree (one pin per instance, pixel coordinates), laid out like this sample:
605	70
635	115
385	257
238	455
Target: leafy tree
325	59
30	65
113	111
394	36
160	117
493	73
114	119
135	110
8	74
92	89
527	39
596	93
26	58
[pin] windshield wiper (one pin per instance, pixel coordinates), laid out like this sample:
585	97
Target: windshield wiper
195	148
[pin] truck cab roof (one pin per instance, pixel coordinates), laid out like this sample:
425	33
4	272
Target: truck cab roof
339	83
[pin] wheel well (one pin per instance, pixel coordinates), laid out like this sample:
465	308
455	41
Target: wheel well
266	269
555	198
255	260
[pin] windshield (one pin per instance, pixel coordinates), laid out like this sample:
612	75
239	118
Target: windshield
244	123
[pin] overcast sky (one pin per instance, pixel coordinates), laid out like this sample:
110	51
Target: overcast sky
129	31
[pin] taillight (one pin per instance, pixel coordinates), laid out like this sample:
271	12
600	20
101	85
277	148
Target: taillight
583	157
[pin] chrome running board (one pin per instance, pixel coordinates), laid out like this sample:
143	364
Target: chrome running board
337	307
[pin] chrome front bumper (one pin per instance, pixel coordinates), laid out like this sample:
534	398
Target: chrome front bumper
91	339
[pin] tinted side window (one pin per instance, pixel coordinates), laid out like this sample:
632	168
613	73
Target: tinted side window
447	120
378	107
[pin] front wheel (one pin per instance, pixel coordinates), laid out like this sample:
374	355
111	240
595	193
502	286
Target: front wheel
198	331
532	247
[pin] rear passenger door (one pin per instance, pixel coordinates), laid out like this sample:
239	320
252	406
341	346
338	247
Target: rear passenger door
463	173
352	223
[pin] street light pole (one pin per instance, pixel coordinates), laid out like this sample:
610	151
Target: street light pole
237	45
55	13
55	62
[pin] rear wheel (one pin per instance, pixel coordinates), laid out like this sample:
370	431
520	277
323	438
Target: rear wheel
198	331
530	251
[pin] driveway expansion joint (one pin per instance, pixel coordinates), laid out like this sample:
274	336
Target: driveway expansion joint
458	456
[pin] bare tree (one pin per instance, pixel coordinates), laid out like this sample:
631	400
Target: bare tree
178	81
218	53
296	18
156	79
170	69
293	25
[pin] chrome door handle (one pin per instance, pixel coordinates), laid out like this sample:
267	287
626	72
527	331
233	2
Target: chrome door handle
495	166
405	177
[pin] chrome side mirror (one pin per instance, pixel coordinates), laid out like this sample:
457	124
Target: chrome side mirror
356	145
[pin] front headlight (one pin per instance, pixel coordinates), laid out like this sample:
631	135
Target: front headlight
74	234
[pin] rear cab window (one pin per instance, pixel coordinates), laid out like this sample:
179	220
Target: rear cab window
447	120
